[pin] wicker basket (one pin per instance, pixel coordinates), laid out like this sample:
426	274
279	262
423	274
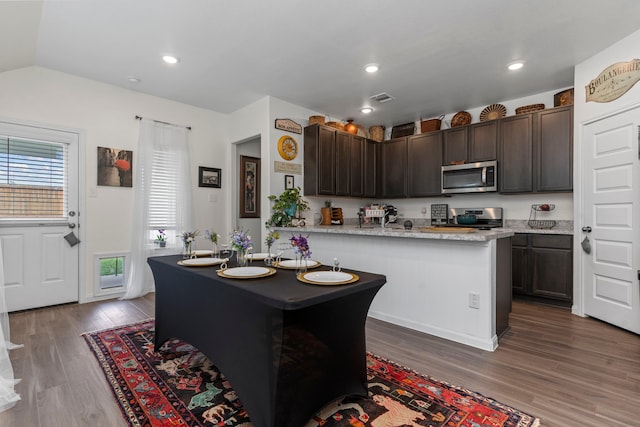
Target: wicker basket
376	133
316	120
431	124
336	125
529	108
461	118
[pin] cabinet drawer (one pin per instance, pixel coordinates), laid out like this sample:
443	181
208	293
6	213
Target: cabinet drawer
519	240
551	241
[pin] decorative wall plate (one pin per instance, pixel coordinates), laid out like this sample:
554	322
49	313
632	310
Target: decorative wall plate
287	147
492	112
460	119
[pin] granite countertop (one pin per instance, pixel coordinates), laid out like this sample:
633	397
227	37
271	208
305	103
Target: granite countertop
399	231
522	226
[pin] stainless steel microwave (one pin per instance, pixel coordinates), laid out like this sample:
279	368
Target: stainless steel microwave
477	177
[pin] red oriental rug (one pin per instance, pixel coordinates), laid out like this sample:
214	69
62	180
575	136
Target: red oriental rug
179	386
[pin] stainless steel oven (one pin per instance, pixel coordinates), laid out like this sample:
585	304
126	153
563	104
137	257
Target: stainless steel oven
477	177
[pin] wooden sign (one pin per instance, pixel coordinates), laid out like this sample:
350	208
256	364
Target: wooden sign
613	82
288	125
295	168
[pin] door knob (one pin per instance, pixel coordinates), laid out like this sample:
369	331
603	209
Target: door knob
586	229
71	225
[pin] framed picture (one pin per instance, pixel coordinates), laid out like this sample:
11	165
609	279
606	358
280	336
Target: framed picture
289	182
249	187
209	177
115	167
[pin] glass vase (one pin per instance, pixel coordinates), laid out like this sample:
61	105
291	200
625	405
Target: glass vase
301	265
186	250
214	249
241	258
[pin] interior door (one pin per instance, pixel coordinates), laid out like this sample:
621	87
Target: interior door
38	208
611	193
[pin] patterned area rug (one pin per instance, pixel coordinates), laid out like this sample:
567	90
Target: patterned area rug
179	386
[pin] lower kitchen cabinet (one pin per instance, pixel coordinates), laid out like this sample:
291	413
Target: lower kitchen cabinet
542	268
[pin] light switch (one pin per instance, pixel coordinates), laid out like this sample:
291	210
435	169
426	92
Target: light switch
93	192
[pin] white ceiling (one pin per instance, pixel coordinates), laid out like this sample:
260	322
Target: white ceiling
435	57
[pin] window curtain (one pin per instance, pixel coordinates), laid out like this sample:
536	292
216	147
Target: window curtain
157	140
8	396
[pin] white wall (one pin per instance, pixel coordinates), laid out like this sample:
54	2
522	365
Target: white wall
106	115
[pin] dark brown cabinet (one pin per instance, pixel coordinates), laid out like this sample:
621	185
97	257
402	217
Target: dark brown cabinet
536	152
553	149
319	160
356	169
454	145
483	141
393	168
474	143
542	268
370	172
515	168
343	164
423	164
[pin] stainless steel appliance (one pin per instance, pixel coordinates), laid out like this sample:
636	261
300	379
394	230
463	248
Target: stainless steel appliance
485	218
470	178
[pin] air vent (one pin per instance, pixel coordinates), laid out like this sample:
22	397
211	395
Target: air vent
382	97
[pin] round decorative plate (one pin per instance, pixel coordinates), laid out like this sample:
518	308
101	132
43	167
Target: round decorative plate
201	262
328	278
492	112
246	272
460	119
296	263
287	147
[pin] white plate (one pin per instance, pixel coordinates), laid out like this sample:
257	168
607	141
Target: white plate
201	262
296	263
328	277
260	256
242	272
203	252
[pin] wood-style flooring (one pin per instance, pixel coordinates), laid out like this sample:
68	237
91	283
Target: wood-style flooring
566	370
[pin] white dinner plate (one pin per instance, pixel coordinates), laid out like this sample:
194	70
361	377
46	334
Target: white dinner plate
328	277
260	256
201	262
246	272
203	252
296	263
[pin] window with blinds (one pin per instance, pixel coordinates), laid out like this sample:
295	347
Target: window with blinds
33	179
163	192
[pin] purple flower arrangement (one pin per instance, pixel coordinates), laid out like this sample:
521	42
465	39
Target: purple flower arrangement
211	235
301	246
240	240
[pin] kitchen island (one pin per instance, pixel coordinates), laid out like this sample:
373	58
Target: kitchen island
453	285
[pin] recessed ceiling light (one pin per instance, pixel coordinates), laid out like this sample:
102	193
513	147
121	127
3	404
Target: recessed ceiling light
371	68
515	65
133	79
366	110
170	59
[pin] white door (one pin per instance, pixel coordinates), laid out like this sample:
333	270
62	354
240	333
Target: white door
38	208
611	219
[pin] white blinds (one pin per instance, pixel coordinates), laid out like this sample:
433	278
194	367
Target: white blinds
163	192
33	178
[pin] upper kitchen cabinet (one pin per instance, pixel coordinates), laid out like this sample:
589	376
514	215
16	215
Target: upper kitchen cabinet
536	151
483	141
474	143
553	149
393	168
343	164
454	145
319	160
515	169
424	152
357	147
370	172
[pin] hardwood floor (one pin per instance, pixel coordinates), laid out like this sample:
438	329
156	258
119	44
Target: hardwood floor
566	370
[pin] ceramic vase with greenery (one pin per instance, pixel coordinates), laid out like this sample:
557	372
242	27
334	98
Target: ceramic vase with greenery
286	206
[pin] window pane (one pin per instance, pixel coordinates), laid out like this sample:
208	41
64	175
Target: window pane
33	177
111	272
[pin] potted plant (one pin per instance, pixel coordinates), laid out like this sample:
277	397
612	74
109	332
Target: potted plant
286	206
161	238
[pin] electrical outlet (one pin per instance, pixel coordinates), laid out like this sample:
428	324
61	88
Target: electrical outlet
474	300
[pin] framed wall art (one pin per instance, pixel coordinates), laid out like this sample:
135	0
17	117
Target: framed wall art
249	187
209	177
114	167
289	182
